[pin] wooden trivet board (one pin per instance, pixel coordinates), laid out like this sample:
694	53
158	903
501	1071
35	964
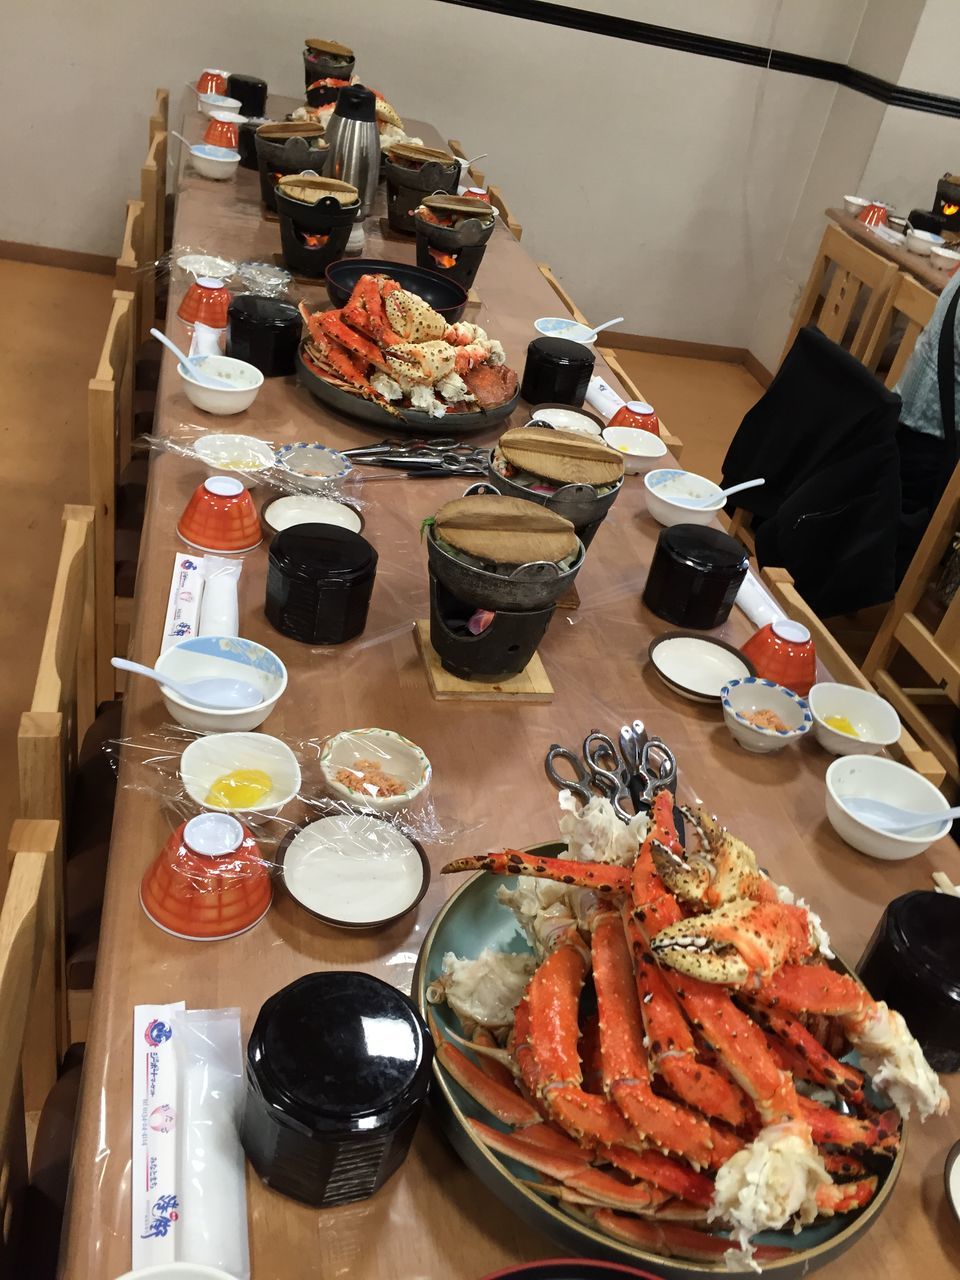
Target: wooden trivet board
531	685
268	215
570	598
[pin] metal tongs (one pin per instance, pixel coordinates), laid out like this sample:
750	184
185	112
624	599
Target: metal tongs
439	456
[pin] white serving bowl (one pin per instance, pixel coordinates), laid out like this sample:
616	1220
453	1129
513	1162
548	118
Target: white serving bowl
310	508
211	102
228	117
565	327
876	722
641	450
238	456
234	657
753	694
247	380
923	242
877	778
855	205
315	466
393	754
218	163
945	259
207	759
666	488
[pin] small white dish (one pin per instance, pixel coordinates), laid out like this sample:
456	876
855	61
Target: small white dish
746	697
198	657
695	666
206	264
565	327
855	205
308	508
563	419
390	752
219	163
945	259
228	117
669	492
951	1179
207	759
877	778
876	722
208	103
239	456
354	870
315	466
641	450
922	242
223	401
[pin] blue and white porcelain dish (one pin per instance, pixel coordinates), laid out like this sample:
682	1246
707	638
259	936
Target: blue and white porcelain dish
741	699
315	466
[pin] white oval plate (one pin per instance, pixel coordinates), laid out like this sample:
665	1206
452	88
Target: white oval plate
697	667
283	513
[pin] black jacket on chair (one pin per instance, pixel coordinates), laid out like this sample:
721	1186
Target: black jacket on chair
824	437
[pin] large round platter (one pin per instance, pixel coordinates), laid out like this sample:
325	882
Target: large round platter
372	411
473	919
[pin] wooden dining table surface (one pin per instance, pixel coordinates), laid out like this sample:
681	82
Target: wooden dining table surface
918	265
433	1220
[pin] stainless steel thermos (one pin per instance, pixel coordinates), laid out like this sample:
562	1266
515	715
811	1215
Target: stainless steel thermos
355	143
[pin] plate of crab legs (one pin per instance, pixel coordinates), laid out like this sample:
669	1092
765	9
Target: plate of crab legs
679	1035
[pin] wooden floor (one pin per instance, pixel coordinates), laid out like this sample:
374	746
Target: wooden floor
51	326
702	402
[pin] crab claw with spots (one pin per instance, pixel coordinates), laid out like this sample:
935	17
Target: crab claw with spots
740	944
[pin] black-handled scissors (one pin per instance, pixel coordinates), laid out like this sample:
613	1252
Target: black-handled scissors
590	779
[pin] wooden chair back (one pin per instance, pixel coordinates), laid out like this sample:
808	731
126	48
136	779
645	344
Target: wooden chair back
110	435
918	628
128	275
476	175
153	194
915	303
673	443
27	1019
159	121
842	271
513	225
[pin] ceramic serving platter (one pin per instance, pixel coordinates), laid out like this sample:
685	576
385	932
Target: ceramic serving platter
473	919
297	508
697	666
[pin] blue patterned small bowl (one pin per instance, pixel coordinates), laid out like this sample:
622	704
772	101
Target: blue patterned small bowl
314	466
745	698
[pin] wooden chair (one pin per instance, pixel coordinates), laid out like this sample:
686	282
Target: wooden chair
128	273
512	224
110	431
28	1069
476	176
843	668
153	194
852	268
673	443
160	120
916	628
909	299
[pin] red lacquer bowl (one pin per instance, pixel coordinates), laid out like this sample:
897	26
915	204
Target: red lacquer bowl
212	81
207	301
783	652
209	881
220	516
222	133
874	215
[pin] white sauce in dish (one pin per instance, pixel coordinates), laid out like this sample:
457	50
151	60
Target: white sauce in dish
353	869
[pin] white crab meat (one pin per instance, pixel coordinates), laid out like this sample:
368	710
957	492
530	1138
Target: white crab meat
893	1059
484	991
422	398
453	389
549	913
762	1187
818	934
388	387
497	355
594	833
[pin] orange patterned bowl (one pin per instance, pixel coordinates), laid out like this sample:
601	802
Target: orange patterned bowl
212	81
205	302
209	881
222	133
220	516
783	652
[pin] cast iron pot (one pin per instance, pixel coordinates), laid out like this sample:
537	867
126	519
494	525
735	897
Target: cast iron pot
532	586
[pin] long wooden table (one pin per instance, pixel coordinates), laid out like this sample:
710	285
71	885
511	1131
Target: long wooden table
434	1219
916	264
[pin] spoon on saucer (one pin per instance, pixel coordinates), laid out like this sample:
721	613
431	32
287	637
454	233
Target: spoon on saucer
217	692
890	817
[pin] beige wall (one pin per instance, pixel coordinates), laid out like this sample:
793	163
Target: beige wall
680	190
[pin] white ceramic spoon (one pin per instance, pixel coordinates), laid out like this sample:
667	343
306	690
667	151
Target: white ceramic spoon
191	363
593	332
890	817
218	692
725	493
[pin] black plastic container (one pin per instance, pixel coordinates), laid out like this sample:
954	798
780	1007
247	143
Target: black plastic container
252	92
558	371
913	963
695	576
338	1066
319	583
265	332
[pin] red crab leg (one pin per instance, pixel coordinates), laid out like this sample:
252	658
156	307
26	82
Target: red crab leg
676	1241
814	988
880	1133
671	1211
364	311
820	1066
655	906
483	1039
511	862
842	1166
844	1197
626	1077
331	324
505	1103
679	1179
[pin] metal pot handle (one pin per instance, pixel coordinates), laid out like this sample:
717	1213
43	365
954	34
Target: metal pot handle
540	568
482	486
581	491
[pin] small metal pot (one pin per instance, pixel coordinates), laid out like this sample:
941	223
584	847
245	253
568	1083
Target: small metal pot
536	585
578	503
286	155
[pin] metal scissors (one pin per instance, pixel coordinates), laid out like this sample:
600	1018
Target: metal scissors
651	765
589	779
